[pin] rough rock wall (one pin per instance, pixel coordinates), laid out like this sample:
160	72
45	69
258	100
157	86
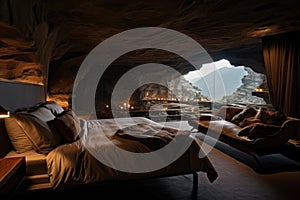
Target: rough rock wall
64	32
18	58
243	94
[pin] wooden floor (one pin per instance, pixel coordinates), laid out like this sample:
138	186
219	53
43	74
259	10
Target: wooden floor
236	181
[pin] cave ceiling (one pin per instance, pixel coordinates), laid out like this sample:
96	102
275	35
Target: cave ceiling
45	41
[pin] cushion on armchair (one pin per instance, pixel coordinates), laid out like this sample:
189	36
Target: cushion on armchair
271	117
245	130
247	112
256	129
260	130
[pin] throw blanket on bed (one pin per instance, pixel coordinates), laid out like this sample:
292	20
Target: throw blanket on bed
154	137
72	163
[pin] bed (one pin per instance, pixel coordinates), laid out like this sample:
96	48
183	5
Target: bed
63	150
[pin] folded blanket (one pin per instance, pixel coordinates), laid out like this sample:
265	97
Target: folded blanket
154	137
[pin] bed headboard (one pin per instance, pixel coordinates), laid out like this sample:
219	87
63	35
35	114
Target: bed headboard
14	95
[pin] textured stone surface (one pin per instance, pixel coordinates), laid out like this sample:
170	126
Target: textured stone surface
64	32
243	94
18	59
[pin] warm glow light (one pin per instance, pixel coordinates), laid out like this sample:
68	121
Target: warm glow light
5	116
61	99
261	31
259	90
124	106
106	106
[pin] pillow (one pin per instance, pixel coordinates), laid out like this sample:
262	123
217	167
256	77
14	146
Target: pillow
68	125
245	131
54	107
249	121
262	131
34	123
247	112
271	117
42	113
16	134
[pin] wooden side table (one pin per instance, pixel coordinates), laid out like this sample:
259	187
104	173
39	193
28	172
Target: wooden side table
12	172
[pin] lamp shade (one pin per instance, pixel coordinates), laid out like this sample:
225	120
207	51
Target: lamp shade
3	112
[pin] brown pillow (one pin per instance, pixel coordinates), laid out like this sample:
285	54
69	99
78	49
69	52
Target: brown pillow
247	112
262	131
271	117
16	134
68	125
248	121
245	131
38	132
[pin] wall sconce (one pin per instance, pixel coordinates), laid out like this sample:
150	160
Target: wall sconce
3	112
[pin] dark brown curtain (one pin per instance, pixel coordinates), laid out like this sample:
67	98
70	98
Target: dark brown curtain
282	62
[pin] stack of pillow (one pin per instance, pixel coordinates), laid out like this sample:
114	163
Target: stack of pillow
42	127
257	128
258	123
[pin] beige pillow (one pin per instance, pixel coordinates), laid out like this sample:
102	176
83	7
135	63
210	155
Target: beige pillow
16	134
262	131
43	139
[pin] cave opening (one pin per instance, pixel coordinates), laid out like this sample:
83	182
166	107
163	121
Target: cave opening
182	95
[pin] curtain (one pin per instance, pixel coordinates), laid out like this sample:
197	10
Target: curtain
282	62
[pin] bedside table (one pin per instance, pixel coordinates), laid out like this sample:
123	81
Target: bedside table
12	172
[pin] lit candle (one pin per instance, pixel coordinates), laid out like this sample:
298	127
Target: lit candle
259	90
